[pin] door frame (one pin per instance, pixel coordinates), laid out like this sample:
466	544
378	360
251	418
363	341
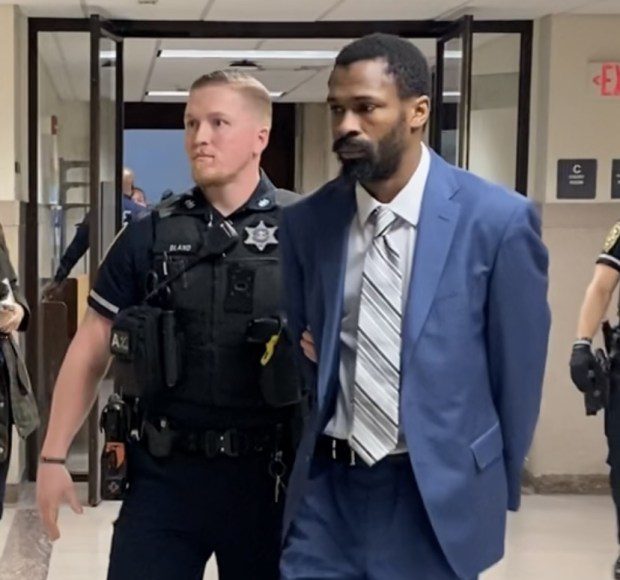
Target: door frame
462	28
101	30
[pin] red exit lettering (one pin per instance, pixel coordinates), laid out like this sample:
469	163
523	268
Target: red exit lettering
608	79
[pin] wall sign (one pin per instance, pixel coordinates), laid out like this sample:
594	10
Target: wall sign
576	178
604	79
615	179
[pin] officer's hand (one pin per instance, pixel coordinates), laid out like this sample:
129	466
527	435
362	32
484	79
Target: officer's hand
54	487
582	361
53	290
307	345
10	318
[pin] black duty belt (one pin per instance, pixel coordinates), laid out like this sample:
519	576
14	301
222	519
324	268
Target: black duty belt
162	441
340	451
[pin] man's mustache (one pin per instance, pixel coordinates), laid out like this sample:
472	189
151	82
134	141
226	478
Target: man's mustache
347	141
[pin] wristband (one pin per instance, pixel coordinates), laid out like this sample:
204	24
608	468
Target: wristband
53	460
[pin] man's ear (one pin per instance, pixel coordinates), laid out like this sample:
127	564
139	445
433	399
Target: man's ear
262	139
419	112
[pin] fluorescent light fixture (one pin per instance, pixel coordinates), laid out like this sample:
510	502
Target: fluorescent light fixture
243	64
452	94
107	54
272	94
327	55
167	93
454	54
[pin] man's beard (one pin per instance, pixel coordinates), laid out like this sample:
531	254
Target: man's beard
210	180
379	162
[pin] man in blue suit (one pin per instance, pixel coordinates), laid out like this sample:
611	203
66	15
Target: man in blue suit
419	292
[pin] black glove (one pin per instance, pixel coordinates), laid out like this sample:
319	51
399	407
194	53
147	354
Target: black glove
53	290
582	364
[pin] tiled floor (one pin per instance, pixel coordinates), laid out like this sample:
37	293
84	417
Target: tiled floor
559	538
551	538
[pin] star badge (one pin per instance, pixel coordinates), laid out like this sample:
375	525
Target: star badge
261	236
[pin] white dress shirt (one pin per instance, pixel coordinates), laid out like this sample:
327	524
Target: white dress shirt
406	206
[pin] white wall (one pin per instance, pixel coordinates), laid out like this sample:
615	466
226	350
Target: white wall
567	122
316	164
494	111
579	125
13	104
21	105
493	147
8	99
568	442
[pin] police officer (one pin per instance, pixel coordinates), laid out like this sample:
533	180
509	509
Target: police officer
206	475
583	363
138	196
81	241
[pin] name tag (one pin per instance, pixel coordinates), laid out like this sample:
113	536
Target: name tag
180	248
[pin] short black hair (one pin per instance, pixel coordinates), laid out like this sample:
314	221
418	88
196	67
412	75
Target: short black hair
405	61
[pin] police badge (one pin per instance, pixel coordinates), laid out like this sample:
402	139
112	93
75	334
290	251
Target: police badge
261	236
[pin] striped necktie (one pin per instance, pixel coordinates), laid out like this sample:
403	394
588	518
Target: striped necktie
377	369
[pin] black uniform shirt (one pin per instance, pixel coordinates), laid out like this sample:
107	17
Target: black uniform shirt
610	256
121	280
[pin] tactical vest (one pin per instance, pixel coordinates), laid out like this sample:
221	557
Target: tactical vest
216	301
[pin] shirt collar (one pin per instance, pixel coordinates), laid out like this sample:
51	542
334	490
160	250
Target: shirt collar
264	196
408	201
262	199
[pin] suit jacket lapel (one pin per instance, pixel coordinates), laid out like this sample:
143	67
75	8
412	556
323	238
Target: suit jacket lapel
333	243
435	232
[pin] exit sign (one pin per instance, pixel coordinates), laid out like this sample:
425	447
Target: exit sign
604	79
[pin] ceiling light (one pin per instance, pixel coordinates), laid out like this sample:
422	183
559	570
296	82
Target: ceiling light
327	55
243	65
449	94
453	54
167	93
272	94
107	54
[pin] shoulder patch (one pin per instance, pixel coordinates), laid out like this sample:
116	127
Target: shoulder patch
612	237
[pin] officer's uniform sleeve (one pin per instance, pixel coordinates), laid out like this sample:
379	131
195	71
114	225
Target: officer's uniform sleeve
75	250
121	276
610	256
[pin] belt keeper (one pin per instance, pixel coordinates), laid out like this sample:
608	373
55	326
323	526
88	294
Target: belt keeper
333	449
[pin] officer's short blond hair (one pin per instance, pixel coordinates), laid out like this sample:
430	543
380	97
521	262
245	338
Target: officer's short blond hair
246	84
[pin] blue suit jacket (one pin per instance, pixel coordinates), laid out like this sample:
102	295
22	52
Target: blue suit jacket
475	333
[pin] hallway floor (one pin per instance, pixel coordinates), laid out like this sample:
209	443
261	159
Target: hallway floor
551	538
